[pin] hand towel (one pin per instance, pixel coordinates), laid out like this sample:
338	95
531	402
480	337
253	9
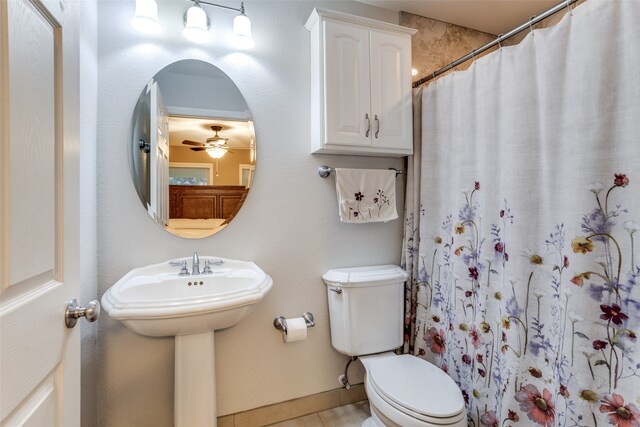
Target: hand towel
366	195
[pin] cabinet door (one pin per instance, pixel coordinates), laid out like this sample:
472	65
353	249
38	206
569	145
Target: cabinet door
347	85
391	91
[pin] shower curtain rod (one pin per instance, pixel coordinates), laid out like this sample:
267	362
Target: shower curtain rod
529	24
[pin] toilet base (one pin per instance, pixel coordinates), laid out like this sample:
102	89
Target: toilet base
377	419
369	422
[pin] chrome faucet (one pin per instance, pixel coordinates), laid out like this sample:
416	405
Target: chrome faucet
196	264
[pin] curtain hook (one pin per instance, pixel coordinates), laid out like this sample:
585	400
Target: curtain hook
569	7
500	41
531	24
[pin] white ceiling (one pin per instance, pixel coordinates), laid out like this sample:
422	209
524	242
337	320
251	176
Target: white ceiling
491	16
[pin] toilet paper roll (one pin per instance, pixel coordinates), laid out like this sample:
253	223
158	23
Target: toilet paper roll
296	330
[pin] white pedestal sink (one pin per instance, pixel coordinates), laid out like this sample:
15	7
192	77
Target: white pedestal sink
156	301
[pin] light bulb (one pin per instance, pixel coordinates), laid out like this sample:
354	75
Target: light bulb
242	32
196	24
145	18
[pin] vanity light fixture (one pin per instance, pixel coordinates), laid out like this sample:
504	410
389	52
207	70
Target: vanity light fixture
196	24
145	18
242	30
216	152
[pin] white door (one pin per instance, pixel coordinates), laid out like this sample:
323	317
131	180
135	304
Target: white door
347	100
39	213
391	90
159	209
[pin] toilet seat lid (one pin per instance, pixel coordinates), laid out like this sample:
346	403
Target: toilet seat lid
417	385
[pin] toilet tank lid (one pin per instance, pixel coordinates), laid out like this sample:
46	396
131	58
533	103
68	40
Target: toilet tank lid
365	276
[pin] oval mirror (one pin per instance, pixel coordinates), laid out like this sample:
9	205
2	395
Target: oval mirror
192	149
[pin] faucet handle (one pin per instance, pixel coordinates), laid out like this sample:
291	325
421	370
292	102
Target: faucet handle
207	267
183	271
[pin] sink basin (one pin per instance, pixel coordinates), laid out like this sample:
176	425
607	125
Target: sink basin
155	301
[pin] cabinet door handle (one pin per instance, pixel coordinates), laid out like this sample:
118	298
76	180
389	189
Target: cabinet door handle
366	117
377	125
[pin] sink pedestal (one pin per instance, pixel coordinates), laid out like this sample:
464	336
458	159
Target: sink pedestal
195	381
156	301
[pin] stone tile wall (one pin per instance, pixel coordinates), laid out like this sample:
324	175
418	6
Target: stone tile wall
437	43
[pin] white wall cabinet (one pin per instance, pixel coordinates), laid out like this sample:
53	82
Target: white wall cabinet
360	86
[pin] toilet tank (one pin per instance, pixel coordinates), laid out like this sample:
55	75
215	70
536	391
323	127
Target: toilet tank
366	308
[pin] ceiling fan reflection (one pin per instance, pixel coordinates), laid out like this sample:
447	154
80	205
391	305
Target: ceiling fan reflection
215	146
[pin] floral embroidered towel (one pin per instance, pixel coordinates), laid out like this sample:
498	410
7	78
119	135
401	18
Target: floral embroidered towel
366	195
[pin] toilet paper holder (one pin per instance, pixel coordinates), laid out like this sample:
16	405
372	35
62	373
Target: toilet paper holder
280	322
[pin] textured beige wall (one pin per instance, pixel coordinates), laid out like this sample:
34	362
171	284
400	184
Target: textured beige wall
228	166
438	43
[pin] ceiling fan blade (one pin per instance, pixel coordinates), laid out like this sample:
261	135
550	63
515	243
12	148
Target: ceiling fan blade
189	142
197	148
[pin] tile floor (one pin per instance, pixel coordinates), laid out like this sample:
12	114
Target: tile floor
343	416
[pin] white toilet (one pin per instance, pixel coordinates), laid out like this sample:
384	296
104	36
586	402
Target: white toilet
366	311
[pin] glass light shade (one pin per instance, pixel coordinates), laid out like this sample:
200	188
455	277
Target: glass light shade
145	18
242	32
196	26
216	153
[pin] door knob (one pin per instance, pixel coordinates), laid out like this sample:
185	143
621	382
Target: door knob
73	312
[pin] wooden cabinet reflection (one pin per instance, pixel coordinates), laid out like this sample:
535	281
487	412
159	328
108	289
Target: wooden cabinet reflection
206	201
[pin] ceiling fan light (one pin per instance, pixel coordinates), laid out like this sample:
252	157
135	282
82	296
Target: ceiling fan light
196	24
145	18
242	32
216	152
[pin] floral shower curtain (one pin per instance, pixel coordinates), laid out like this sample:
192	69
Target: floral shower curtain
522	226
